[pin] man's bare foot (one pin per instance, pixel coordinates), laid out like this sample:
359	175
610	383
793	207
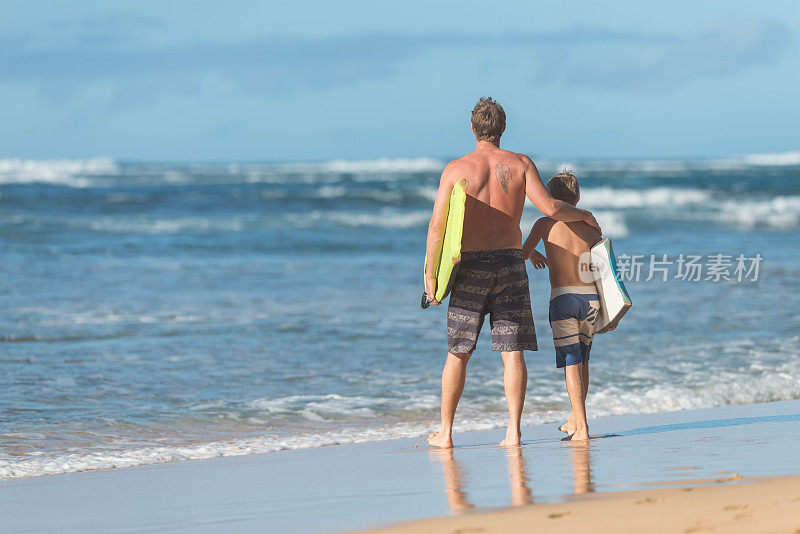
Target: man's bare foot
513	439
437	439
578	435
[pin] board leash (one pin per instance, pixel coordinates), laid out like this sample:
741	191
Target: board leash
424	302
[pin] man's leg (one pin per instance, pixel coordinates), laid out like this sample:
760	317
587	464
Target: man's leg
453	376
573	375
515	381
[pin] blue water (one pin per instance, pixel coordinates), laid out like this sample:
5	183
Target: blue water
162	312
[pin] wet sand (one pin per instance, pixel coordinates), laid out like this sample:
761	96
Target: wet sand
371	485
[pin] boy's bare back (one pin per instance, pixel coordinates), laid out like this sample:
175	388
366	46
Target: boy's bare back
564	243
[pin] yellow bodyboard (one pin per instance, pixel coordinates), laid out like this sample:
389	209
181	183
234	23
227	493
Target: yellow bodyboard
450	253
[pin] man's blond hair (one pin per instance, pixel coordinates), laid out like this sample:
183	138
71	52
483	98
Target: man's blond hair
564	186
488	120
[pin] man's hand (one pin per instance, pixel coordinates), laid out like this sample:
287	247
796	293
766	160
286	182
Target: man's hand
430	290
591	221
538	260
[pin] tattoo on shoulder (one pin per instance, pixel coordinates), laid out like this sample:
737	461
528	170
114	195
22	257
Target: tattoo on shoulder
503	174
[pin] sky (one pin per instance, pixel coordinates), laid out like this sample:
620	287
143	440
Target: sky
312	81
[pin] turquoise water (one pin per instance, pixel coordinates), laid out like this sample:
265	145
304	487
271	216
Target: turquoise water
161	312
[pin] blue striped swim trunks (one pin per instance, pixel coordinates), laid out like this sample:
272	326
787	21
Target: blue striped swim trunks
573	319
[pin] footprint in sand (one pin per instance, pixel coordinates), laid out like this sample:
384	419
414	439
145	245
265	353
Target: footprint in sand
732	507
651	500
559	515
699	526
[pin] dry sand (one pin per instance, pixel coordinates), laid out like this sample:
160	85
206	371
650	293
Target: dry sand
729	504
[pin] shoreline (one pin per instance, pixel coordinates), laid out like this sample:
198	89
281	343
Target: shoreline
369	485
200	450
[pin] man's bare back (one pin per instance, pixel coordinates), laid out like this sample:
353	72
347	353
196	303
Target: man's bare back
495	180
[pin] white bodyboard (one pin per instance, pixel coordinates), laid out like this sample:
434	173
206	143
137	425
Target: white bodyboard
614	299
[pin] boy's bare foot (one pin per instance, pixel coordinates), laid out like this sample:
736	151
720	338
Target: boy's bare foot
513	439
437	439
569	427
578	435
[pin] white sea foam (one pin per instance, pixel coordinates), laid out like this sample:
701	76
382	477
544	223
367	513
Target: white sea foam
674	166
384	218
612	222
762	384
332	406
721	388
69	172
781	159
609	197
384	165
547	168
778	212
166	226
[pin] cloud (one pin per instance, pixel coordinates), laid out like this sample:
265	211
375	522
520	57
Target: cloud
104	51
273	64
714	50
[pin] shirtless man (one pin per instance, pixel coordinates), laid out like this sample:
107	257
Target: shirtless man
492	278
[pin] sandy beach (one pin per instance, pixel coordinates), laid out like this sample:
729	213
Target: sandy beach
727	504
633	472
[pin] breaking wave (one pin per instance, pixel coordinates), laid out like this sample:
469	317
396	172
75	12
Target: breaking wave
68	172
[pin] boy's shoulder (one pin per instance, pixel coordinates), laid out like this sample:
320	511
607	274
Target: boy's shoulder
544	222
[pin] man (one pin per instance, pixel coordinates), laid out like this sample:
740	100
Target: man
492	278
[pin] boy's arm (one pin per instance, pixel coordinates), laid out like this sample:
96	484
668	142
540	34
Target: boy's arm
549	206
538	260
536	235
436	229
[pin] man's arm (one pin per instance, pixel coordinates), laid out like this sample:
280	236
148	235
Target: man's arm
549	206
436	229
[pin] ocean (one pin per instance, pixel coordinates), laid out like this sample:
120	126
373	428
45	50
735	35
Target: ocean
162	312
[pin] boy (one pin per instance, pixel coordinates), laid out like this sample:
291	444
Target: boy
574	304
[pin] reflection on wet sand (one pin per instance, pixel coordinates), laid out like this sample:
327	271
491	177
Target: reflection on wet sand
453	480
520	492
455	476
581	468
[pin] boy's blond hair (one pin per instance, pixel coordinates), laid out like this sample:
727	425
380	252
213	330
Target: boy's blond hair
564	186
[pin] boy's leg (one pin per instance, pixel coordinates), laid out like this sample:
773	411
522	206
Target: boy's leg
569	426
515	382
585	379
573	375
453	376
